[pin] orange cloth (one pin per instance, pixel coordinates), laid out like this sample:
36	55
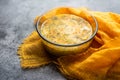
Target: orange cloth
100	62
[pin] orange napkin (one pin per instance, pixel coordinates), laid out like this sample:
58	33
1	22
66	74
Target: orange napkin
100	62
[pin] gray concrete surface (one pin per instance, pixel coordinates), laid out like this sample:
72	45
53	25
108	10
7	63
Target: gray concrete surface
16	22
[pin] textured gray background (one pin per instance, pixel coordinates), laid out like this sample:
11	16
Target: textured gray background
16	22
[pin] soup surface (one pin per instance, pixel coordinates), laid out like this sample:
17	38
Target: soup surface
66	29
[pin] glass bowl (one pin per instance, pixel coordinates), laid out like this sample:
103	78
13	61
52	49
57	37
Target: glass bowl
56	49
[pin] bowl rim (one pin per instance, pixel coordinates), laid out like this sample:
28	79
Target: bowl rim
67	45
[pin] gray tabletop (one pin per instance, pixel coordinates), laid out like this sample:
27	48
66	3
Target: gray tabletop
16	22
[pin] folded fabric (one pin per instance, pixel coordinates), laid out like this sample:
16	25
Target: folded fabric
100	62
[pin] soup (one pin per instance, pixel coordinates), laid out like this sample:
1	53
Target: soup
66	29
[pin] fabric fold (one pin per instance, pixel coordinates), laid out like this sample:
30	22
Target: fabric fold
32	53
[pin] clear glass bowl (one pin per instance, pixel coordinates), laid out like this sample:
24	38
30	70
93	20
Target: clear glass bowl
63	50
